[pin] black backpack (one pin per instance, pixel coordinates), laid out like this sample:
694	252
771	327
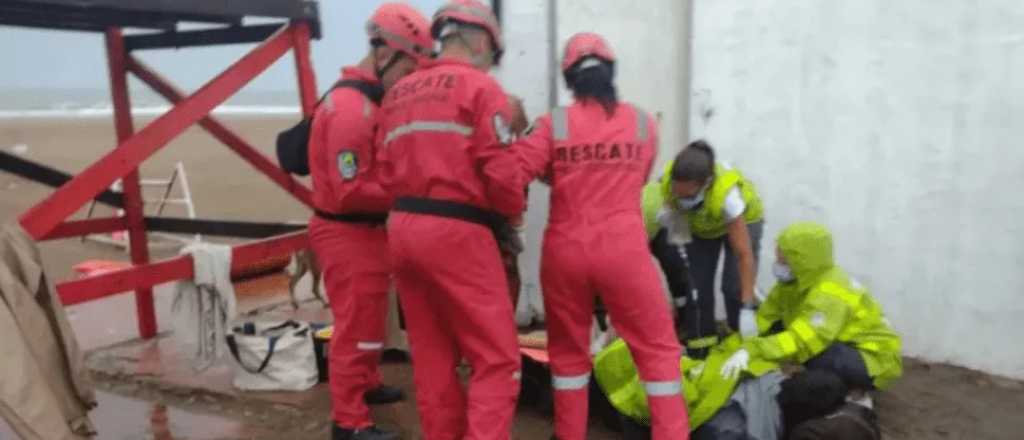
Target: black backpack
293	143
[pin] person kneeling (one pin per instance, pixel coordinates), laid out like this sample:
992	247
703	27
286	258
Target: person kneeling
828	320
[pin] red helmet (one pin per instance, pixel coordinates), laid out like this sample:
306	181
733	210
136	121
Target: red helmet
471	12
402	28
585	44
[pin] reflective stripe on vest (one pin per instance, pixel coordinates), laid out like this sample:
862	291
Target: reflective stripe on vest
560	124
569	383
664	388
641	124
427	126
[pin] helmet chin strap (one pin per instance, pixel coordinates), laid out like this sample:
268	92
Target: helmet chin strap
383	70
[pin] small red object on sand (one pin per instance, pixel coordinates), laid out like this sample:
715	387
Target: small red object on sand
89	268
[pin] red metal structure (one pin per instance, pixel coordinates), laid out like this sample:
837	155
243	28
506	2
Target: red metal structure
298	23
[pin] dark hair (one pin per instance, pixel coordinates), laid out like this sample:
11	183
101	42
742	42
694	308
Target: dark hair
809	395
696	163
594	82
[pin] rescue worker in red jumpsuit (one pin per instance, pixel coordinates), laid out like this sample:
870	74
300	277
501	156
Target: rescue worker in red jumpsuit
597	154
347	234
440	131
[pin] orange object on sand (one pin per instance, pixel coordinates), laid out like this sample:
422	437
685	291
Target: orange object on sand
537	354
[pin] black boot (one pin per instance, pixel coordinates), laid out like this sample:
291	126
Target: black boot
383	395
371	433
394	356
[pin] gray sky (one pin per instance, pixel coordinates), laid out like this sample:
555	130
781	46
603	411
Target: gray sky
60	59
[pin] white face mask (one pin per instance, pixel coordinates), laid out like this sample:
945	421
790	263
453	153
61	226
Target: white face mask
782	272
689	203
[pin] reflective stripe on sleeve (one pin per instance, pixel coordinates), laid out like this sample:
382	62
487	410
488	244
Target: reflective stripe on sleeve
808	335
663	388
787	343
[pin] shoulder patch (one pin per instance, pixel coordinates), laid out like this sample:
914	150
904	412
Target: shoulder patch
348	164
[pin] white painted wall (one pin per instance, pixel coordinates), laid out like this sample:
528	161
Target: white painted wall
898	124
651	43
525	72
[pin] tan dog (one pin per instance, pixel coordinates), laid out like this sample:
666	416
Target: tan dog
302	262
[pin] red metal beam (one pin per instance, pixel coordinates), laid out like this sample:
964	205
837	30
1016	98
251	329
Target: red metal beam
84	227
112	283
45	216
304	68
224	134
133	204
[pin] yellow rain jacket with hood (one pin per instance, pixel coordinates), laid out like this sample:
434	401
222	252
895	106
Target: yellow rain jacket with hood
822	306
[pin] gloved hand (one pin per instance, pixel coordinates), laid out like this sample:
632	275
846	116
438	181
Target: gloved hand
736	364
748	323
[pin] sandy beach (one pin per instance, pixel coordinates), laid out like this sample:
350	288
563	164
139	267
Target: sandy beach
223	185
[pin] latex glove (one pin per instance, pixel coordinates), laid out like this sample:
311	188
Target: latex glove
736	364
748	323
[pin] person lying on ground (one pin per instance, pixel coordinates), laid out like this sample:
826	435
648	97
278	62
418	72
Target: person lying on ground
825	319
761	405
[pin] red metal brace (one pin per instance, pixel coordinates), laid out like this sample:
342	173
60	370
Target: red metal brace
45	216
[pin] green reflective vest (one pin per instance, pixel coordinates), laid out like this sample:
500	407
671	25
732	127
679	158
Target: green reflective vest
652	202
824	305
704	388
708	221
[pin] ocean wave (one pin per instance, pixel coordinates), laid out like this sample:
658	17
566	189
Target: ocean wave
69	111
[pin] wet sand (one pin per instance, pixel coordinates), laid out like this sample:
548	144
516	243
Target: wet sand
930	402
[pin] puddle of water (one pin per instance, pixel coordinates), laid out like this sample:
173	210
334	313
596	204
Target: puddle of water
122	418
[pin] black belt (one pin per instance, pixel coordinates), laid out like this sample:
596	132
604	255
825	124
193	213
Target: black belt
459	211
369	218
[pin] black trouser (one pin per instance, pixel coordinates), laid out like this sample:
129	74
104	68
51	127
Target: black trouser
846	362
703	255
676	269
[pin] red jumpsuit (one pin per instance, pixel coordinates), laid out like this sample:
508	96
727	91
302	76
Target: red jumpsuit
440	130
595	244
352	254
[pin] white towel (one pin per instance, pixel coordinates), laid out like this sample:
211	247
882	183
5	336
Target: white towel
204	306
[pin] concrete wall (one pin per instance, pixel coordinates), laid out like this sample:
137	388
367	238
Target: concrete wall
898	125
652	45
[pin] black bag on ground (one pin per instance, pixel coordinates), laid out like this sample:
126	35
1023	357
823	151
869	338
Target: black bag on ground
293	143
